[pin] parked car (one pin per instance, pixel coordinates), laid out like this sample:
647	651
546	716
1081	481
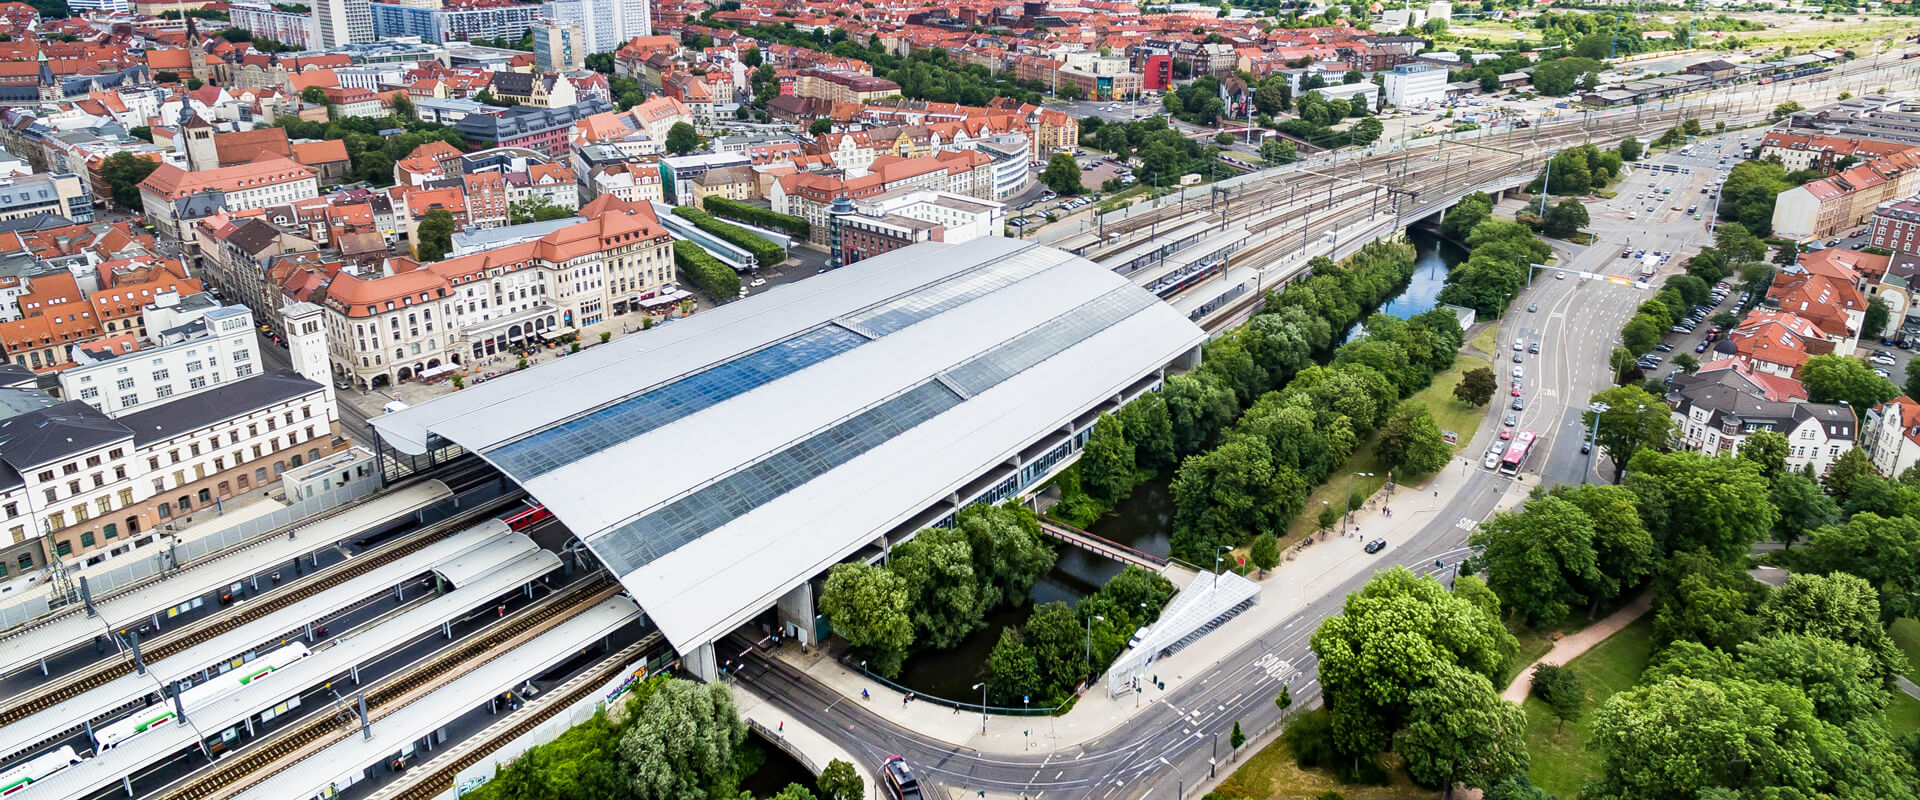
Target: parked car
1701	347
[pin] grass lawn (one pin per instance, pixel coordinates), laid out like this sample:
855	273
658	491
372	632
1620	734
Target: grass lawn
1271	774
1903	714
1488	342
1561	761
1450	414
1906	633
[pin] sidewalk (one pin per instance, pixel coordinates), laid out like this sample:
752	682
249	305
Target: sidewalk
1305	576
1568	647
807	745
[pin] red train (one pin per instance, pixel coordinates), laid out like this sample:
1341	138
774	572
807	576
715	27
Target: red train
534	515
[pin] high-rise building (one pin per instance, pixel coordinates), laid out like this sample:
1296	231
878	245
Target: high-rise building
342	22
559	46
608	24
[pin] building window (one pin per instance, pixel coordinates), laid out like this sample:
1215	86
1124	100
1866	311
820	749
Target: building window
64	548
86	539
163	391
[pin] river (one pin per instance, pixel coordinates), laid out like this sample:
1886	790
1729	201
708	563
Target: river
1433	257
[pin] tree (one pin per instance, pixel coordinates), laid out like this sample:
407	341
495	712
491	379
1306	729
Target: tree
316	95
840	781
868	606
1199	406
1840	607
1769	450
1283	700
1560	689
1366	131
402	106
1149	430
1226	495
1687	363
1884	551
537	209
1630	149
944	590
1634	419
684	743
682	139
1623	549
1237	738
1683	737
1476	386
1012	671
1537	559
1837	379
1107	464
1837	677
1912	373
1803	508
1457	222
435	235
123	171
1277	150
1566	218
1402	634
820	127
1265	553
1698	598
1062	174
1787	108
1876	318
1460	731
1853	466
1691	501
1411	442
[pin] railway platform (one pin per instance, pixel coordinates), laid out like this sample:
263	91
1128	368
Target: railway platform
189	588
334	658
459	559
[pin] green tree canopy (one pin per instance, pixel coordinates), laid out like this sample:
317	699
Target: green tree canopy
1062	174
1693	501
684	743
869	607
1634	420
1839	379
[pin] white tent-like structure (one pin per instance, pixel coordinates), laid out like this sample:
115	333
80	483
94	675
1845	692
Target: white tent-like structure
1206	602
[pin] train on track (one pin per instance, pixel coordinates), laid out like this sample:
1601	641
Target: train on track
17	780
154	716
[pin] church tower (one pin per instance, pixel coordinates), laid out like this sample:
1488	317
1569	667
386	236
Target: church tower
201	154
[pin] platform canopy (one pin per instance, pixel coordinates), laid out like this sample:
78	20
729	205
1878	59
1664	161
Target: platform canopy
718	462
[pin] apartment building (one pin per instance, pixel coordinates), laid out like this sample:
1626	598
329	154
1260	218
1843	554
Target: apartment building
842	87
195	344
1714	413
809	195
397	326
1894	226
63	195
1891	435
173	197
90	486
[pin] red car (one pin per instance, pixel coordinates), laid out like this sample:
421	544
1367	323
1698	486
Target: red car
1516	391
1506	433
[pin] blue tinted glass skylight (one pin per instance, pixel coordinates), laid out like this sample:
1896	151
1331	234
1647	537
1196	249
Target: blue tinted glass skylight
600	429
706	509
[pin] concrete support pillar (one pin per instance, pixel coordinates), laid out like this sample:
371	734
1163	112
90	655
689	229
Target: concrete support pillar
701	662
796	612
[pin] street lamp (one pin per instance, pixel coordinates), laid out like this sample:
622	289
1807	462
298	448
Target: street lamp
1216	563
982	686
1348	519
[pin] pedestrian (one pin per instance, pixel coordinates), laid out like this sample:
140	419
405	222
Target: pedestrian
503	611
783	726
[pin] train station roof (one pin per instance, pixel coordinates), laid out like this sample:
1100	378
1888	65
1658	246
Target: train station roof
719	461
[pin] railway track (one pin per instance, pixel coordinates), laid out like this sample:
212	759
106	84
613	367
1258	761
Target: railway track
234	774
180	639
440	779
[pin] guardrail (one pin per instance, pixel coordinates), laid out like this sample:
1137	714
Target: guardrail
941	701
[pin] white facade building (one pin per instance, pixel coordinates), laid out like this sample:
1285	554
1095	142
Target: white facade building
194	345
1410	85
338	22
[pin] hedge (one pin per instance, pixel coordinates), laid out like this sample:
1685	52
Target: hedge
716	279
754	215
765	252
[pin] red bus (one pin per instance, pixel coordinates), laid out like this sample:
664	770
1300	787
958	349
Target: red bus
1516	454
529	517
